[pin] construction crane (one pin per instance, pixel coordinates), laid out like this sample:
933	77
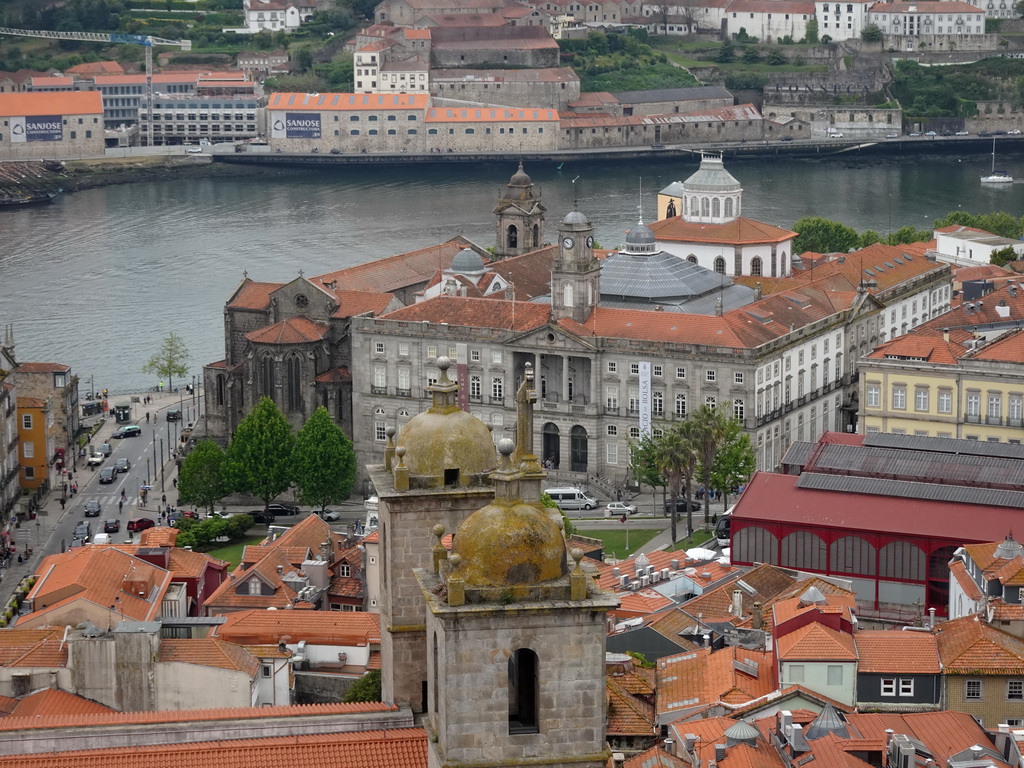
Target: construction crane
112	37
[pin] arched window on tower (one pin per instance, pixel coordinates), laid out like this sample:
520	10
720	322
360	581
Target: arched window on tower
512	237
567	295
716	208
694	207
705	206
756	268
267	377
670	212
220	390
728	207
536	236
294	384
523	691
720	265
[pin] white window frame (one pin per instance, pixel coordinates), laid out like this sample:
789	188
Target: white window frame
873	396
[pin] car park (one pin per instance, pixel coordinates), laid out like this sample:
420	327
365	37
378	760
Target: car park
105	449
277	509
122	465
127	431
107	475
140	524
113	525
96	459
619	508
92	508
83	531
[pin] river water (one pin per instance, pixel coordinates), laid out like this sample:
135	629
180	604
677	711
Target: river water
99	278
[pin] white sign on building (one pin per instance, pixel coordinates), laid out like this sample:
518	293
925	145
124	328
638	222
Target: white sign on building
645	398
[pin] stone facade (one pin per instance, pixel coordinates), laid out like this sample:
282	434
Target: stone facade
50	124
985	697
513	87
55	384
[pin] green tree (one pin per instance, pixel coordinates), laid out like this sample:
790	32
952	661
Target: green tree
643	463
259	456
909	234
304	59
201	479
871	33
170	360
869	237
1003	256
727	53
751	55
675	455
822	235
366	688
775	58
323	462
1018	8
735	460
1000	223
811	34
710	427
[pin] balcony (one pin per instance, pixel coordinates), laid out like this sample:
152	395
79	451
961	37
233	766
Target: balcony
378	390
407	393
994	421
611	410
496	400
972	418
1012	422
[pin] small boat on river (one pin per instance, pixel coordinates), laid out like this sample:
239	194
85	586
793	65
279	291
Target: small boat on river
996	177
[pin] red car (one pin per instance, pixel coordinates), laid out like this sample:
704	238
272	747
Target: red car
140	524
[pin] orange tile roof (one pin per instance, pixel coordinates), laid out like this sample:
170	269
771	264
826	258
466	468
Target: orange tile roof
739	231
767	581
889	652
51	103
968	646
294	330
711	731
628	715
253	295
655	757
641	603
182	563
490	114
208	652
925	344
158	78
980	272
704	572
1012	572
18	645
97	68
354	628
161	536
983	312
352	303
815	642
405	747
672	327
1008	348
688	680
51	701
791	607
329	102
31	402
43	367
476	313
963	578
393	273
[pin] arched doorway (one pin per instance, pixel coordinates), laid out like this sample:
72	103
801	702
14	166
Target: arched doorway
552	446
578	449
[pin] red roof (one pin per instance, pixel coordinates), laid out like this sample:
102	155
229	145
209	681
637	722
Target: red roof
43	368
887	652
294	330
739	231
51	103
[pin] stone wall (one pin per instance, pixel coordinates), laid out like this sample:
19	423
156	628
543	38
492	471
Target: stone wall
83	136
912	43
318	688
496	90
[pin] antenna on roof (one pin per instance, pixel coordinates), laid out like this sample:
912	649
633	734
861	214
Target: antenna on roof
575	196
640	207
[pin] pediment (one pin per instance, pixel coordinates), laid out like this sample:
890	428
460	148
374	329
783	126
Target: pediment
304	298
554	339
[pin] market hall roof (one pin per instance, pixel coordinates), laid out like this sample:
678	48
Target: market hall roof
739	231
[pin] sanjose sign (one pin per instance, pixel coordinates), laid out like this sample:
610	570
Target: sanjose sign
37	128
296	125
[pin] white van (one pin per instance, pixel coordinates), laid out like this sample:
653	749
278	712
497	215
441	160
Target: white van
101	538
571	498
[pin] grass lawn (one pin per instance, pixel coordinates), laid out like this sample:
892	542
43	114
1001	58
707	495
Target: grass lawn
233	552
615	540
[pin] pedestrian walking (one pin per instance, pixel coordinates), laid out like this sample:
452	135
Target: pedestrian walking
163	499
124	496
147	417
62	505
175	481
120	506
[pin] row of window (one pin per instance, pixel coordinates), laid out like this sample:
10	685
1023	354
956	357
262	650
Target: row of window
217	117
972	401
763	373
926	433
975	690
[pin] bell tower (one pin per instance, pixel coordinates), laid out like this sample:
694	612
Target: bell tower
520	217
576	272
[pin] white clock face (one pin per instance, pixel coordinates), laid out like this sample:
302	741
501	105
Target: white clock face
590	242
568	242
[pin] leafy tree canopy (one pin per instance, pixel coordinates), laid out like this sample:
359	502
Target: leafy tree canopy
201	480
366	688
734	460
170	360
871	33
323	461
260	453
822	235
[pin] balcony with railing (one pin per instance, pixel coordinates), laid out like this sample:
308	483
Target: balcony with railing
972	418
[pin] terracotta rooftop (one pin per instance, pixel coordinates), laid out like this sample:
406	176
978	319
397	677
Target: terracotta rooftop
393	273
253	295
19	646
887	652
294	330
711	731
54	702
629	714
1008	348
963	578
815	642
51	103
766	581
982	312
968	646
925	344
739	231
478	313
208	652
43	368
354	628
405	747
656	757
731	675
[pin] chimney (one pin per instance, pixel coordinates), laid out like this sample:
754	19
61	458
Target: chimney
931	618
757	622
757	291
280	570
945	335
737	603
675	565
669	746
707	640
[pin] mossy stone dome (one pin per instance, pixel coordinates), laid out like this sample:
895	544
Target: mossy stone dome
445	439
509	543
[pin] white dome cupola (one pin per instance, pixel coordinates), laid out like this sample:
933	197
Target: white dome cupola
712	195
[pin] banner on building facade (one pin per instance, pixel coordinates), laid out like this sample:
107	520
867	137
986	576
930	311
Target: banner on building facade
462	375
37	128
296	125
645	398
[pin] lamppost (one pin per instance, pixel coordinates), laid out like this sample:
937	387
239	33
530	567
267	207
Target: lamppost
147	470
162	464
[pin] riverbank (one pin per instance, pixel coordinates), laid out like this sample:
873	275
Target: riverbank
109	171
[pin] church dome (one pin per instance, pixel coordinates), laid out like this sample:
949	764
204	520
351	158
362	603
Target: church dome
445	441
520	178
639	239
467	262
509	542
520	186
575	217
712	177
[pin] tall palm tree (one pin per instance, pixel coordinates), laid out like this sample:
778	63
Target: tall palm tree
675	455
710	427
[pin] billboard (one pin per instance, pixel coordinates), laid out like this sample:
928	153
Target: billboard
645	398
296	125
37	128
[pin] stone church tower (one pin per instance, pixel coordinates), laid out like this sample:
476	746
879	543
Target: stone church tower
515	637
575	273
520	217
438	472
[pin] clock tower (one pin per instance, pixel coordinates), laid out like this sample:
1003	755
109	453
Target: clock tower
575	273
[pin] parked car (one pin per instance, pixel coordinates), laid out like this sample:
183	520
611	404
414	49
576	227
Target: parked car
892	135
174	415
92	508
335	151
140	524
261	517
215	514
330	515
931	133
278	509
946	132
107	475
122	465
113	525
787	138
1014	132
194	151
127	431
76	543
835	135
105	449
681	505
998	133
984	133
619	508
83	531
914	134
963	133
96	459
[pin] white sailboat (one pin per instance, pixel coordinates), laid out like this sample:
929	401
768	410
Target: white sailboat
996	177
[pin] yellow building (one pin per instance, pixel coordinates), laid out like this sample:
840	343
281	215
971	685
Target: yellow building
36	434
945	383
